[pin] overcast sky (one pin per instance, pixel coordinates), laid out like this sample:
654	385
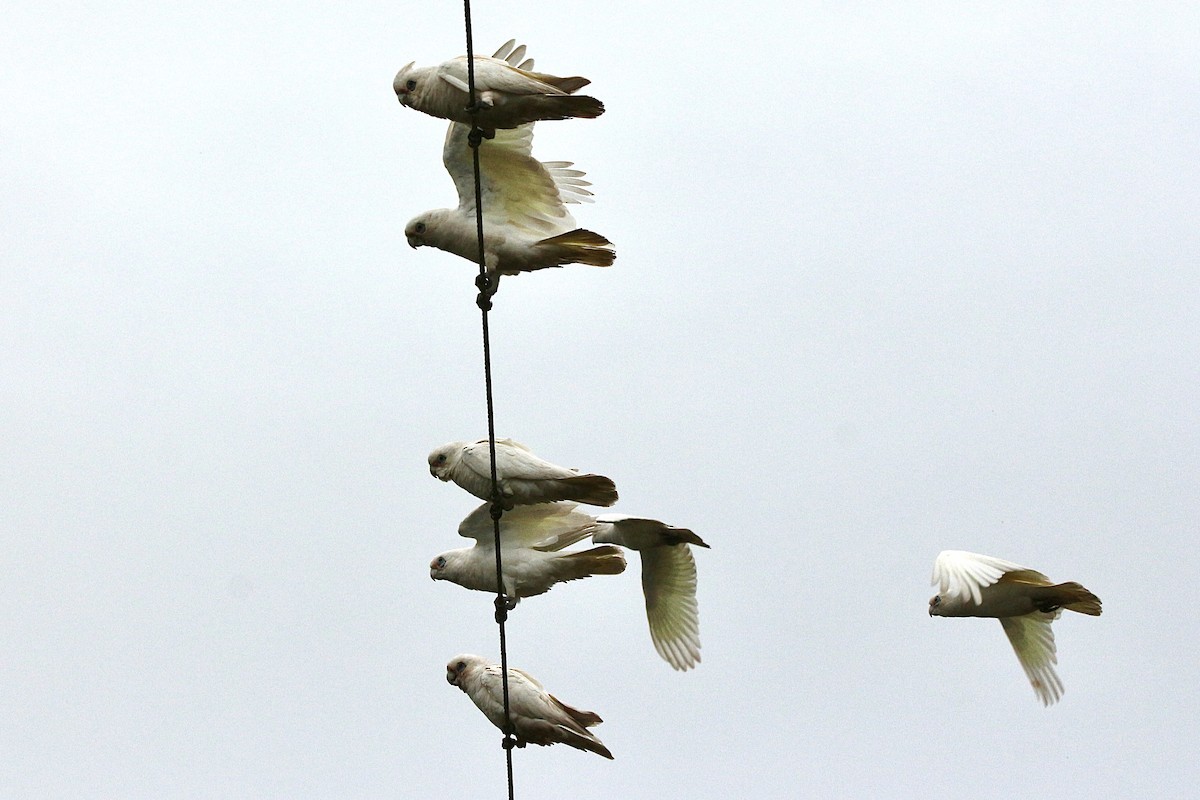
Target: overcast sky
892	279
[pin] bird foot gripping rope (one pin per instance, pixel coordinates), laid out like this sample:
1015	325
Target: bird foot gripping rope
487	287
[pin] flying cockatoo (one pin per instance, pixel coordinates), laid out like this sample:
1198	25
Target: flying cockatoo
521	477
668	582
508	93
526	225
1024	600
537	716
531	541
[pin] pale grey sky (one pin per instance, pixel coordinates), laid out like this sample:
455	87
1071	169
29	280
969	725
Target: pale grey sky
891	279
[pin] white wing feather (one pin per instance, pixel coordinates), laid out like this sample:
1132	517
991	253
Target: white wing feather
1033	641
669	584
495	74
549	526
961	574
513	460
517	190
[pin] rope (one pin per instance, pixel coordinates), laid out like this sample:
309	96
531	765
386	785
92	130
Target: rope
483	283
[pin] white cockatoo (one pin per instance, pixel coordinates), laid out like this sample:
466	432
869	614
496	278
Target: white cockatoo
508	93
531	543
668	582
537	716
526	225
521	477
1024	600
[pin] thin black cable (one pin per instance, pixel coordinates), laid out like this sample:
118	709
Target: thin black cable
484	300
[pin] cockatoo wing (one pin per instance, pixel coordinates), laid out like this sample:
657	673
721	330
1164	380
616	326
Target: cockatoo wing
522	673
1033	641
513	460
669	584
541	718
501	75
511	52
962	574
549	526
569	181
488	693
517	190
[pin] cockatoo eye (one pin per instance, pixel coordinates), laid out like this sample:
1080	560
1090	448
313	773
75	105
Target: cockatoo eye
410	84
460	666
439	562
937	600
420	228
441	459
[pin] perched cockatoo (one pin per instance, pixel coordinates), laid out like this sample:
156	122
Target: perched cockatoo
531	541
521	477
537	716
526	225
668	582
1024	600
508	92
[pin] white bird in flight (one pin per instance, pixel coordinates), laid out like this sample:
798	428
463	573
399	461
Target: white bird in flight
508	92
531	541
1024	600
521	476
538	717
526	225
668	582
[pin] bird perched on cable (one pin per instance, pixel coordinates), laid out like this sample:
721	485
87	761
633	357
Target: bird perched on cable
668	582
531	542
1024	600
508	92
538	717
521	476
526	225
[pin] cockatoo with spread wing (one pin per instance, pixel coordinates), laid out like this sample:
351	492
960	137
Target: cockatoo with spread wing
521	476
532	539
508	92
1024	600
537	716
526	225
668	582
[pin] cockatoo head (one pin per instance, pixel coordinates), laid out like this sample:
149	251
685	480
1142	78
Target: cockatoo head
442	460
948	604
415	231
458	667
407	81
438	567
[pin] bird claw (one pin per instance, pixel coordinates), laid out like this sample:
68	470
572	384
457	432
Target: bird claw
487	287
505	604
478	134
